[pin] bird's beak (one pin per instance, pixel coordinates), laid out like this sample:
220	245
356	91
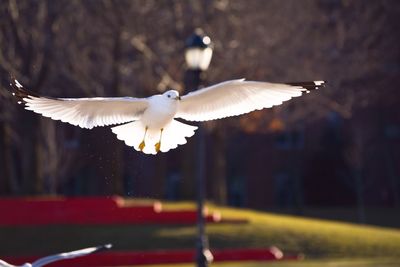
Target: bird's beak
178	98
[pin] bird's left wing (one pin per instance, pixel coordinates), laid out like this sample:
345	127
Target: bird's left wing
69	255
237	97
82	112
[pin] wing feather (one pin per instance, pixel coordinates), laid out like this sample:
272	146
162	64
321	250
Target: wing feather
83	112
69	255
236	97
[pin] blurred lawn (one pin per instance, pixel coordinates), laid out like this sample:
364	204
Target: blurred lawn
379	216
308	263
314	238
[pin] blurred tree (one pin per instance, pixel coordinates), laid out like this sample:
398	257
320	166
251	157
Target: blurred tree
87	48
27	55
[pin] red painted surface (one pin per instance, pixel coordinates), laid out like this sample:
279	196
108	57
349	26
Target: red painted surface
93	211
159	257
102	210
9	203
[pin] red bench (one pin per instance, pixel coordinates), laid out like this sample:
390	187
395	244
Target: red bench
92	210
129	258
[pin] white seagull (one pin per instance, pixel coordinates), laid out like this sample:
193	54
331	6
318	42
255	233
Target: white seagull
57	257
148	124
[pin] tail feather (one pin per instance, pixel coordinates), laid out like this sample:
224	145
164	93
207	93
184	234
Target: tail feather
174	134
132	133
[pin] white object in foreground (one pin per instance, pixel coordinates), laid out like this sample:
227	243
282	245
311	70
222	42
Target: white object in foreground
57	257
150	124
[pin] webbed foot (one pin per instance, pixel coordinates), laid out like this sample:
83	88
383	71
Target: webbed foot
158	146
142	145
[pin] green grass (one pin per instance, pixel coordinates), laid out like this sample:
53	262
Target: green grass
379	216
308	263
314	238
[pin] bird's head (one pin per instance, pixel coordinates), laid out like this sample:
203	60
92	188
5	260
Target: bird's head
172	94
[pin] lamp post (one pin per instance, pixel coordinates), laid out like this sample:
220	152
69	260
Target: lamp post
198	56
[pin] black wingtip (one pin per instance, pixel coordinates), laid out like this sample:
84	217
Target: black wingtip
309	86
103	248
18	91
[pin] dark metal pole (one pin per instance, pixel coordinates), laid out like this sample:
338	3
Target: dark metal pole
195	44
202	241
203	255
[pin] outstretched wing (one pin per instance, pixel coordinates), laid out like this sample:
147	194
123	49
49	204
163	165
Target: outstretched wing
69	255
82	112
237	97
5	264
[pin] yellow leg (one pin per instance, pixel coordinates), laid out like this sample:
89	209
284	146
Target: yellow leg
158	145
143	144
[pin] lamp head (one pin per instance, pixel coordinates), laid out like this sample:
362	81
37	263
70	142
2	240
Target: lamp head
198	51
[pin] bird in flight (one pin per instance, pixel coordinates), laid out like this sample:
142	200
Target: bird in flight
62	256
149	124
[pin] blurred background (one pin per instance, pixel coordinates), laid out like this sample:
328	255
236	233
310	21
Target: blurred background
333	153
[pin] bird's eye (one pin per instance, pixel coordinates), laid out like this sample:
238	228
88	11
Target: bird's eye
169	96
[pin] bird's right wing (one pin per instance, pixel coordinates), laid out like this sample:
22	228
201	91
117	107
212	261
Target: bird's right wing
82	112
69	255
238	97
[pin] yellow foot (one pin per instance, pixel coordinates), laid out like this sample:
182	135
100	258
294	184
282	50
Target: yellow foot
158	146
142	145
